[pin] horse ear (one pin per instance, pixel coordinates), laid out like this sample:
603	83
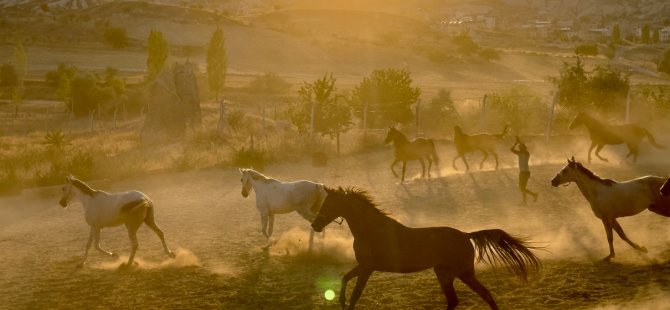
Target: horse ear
241	170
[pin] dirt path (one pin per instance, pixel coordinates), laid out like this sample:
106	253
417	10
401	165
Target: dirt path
221	264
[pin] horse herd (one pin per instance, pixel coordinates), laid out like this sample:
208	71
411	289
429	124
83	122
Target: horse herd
381	243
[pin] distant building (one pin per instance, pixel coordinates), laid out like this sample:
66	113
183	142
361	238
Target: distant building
664	34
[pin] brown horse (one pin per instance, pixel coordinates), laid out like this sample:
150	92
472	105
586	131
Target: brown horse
406	150
603	134
483	142
383	244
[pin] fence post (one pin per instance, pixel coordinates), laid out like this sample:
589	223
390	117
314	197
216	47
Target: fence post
551	116
365	121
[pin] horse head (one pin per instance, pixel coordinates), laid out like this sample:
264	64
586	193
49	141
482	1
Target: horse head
330	209
565	175
246	181
66	192
390	135
458	130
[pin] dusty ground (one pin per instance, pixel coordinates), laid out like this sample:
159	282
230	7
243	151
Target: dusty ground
221	263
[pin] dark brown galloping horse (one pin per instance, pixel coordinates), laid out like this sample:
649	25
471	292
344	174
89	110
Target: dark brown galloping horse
603	134
383	244
482	142
406	150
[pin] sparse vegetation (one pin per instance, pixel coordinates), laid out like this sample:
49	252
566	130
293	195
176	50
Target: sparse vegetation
116	37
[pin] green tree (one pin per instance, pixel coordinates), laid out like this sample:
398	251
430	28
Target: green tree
465	44
116	37
217	62
571	84
616	34
603	89
645	37
441	115
87	96
664	64
331	116
268	84
388	92
158	52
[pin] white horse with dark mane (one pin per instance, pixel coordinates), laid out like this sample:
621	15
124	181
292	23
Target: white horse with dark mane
610	199
277	197
102	209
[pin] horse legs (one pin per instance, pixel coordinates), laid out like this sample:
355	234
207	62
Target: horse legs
610	238
593	145
363	276
88	245
467	167
447	284
430	164
423	168
96	241
495	155
132	234
264	225
623	236
600	147
486	155
392	167
343	287
471	281
151	223
404	166
632	150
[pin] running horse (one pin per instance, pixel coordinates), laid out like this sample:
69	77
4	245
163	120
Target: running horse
383	244
483	142
604	134
102	209
610	199
406	150
277	197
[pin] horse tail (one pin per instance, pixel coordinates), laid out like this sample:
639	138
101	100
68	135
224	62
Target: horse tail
503	133
652	140
496	247
433	152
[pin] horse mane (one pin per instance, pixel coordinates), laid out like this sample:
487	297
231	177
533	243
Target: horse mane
399	134
258	176
363	198
83	187
593	176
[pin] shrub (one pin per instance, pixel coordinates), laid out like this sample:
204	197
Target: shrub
116	37
250	158
8	75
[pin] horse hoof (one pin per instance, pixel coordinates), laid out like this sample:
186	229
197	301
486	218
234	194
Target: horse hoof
114	255
607	259
81	265
171	255
642	249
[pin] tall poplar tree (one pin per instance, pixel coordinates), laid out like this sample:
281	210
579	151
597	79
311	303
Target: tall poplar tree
158	51
217	62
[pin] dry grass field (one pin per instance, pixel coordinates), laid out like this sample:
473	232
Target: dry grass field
221	263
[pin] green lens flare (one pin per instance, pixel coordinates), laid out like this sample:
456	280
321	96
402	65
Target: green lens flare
329	294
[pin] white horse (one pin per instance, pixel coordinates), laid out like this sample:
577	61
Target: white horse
102	209
610	200
277	197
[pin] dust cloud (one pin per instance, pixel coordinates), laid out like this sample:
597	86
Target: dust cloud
184	258
332	245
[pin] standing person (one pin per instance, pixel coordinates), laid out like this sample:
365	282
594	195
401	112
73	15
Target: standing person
524	171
